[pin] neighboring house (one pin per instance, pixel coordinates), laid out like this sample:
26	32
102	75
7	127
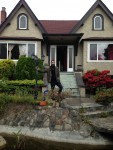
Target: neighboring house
74	45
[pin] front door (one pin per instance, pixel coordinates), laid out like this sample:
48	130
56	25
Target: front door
63	56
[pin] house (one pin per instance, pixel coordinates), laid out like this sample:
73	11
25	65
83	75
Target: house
74	45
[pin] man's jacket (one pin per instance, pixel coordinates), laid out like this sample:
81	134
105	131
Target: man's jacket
56	73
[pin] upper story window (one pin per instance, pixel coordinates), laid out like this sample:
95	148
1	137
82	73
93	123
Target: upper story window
22	22
98	22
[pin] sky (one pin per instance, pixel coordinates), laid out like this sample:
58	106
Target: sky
56	9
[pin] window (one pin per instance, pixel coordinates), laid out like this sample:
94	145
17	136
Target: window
31	49
3	50
102	51
15	50
98	22
22	22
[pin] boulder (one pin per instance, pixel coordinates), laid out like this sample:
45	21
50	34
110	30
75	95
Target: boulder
2	142
103	125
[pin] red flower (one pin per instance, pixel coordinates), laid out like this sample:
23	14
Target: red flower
95	78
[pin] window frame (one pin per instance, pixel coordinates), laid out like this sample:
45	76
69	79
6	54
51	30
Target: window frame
97	43
19	19
101	23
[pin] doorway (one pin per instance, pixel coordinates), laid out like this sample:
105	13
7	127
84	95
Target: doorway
62	58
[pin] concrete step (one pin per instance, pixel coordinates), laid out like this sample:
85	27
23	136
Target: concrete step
73	91
98	114
87	109
69	83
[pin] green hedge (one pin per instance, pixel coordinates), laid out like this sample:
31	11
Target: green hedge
19	86
25	82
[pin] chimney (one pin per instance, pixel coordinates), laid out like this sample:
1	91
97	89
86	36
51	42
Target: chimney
3	15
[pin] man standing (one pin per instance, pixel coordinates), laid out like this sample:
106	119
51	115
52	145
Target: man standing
54	77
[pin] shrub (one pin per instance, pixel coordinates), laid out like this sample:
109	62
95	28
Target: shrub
16	98
25	68
7	68
4	86
24	82
19	86
104	96
94	79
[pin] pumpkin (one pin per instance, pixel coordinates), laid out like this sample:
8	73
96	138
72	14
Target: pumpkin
43	103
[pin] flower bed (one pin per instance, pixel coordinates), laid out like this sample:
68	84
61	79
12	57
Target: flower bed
94	79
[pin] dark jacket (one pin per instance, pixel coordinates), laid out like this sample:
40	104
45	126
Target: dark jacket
56	73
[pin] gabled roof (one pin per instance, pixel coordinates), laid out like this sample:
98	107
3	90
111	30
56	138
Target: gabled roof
13	12
94	6
58	26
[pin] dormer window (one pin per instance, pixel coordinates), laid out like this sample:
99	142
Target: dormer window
22	22
98	23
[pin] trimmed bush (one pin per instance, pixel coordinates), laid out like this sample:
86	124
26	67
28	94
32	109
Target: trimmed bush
25	68
19	86
7	68
24	82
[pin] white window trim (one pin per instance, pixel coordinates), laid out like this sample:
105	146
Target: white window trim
20	42
88	51
100	23
25	21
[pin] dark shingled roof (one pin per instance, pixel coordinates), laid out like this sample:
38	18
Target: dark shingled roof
58	26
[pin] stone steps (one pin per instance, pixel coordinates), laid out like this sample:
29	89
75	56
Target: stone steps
69	83
96	110
98	114
88	109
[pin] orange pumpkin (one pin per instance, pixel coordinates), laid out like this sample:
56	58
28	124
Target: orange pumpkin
43	103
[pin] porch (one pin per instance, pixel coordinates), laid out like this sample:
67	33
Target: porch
63	48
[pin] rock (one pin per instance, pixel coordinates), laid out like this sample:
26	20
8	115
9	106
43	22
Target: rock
104	125
2	142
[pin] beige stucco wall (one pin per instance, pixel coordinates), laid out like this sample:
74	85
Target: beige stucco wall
87	27
79	57
39	49
88	32
11	30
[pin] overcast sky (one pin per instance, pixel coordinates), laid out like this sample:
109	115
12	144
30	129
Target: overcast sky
57	9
